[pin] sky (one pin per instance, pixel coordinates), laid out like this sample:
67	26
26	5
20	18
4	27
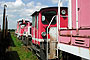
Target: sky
18	9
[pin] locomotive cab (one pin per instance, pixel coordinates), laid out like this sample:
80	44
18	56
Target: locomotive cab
21	30
41	20
17	32
25	28
26	32
45	19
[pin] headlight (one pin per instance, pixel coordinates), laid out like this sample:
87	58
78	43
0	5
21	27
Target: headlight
24	32
43	34
63	12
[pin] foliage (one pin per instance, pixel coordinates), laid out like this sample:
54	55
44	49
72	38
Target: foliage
23	52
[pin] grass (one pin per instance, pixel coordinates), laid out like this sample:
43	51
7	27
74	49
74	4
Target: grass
23	52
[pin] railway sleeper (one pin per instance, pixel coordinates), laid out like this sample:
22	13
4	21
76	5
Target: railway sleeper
38	55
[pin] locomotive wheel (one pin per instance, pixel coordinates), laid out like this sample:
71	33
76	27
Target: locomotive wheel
20	38
30	44
42	54
26	41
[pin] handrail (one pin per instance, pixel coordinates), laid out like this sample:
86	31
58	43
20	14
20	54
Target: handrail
76	14
58	22
47	33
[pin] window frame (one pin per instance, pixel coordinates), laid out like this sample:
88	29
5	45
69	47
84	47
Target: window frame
48	10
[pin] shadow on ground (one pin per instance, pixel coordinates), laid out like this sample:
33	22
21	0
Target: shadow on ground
11	55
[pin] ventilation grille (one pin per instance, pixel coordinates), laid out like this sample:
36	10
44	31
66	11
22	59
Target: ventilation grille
80	42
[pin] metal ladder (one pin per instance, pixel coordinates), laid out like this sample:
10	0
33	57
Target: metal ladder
58	27
47	36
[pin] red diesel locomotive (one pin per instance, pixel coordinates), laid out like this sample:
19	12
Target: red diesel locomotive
40	23
22	28
27	32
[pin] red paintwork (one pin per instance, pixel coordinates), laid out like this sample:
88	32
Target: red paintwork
17	28
26	27
64	21
21	31
18	25
32	34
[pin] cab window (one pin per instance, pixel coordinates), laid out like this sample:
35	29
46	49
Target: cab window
47	16
33	21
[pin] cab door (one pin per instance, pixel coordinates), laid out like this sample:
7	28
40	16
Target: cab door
36	29
84	13
33	29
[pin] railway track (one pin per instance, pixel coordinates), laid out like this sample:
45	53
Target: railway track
34	50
